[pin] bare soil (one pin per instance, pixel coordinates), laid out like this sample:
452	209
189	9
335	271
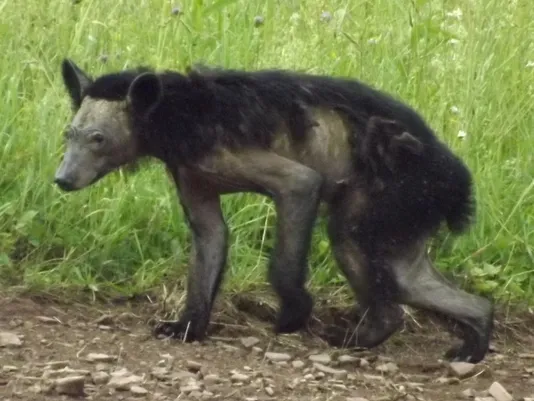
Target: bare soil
57	340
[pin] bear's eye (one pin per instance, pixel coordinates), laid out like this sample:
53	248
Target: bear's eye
97	137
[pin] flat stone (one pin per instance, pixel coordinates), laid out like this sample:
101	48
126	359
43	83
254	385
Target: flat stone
190	386
297	364
193	366
277	356
9	339
71	385
211	379
389	367
461	369
337	373
138	390
469	393
249	342
239	377
97	357
498	392
347	359
325	359
124	383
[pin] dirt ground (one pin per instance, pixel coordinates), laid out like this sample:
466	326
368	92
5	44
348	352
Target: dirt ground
106	352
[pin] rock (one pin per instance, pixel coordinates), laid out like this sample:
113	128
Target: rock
9	339
277	356
297	364
461	369
193	366
160	373
190	386
389	367
100	377
484	399
498	392
9	368
211	379
257	350
337	373
120	372
324	359
138	390
96	357
249	342
374	377
357	399
239	377
180	376
364	363
347	359
124	383
526	356
269	391
71	385
468	393
228	347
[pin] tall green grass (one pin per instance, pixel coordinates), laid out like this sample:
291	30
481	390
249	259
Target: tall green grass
467	67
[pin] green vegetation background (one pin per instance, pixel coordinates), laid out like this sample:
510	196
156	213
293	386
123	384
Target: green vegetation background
466	66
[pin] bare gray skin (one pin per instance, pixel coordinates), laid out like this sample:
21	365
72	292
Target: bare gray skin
100	141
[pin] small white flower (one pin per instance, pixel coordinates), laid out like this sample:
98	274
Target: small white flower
91	38
453	41
462	134
530	64
456	13
455	110
372	41
326	16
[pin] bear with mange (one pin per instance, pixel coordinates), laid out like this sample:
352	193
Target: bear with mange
293	137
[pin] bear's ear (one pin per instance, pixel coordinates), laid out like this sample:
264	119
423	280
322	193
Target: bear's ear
75	80
145	93
406	141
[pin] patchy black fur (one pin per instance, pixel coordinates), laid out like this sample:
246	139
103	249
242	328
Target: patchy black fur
114	86
426	187
235	108
206	107
414	200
